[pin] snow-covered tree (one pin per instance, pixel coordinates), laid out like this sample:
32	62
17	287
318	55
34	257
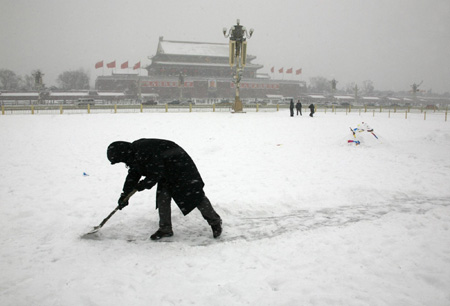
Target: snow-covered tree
319	84
368	87
9	80
77	79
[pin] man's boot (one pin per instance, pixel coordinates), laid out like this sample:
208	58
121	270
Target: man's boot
217	229
160	233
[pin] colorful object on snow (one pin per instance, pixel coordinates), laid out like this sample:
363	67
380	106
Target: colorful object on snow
362	127
356	142
85	174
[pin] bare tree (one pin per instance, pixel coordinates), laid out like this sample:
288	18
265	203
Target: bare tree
350	88
9	80
27	83
319	84
367	87
69	80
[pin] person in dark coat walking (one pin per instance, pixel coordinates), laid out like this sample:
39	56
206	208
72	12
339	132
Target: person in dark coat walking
291	107
312	109
165	163
298	106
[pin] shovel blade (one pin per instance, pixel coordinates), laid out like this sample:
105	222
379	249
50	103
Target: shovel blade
94	230
92	234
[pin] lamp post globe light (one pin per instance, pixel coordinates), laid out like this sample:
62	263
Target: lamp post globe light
237	57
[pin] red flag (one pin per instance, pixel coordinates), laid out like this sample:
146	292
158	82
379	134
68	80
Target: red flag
111	65
137	66
272	70
124	65
289	70
298	71
281	70
99	64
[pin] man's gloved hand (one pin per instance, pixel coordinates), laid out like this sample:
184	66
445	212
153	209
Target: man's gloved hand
121	201
140	186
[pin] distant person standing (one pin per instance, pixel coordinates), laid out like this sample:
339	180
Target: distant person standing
291	107
298	106
312	109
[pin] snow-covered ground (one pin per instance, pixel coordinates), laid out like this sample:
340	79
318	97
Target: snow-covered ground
308	218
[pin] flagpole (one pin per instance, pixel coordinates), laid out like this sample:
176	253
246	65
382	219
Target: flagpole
139	81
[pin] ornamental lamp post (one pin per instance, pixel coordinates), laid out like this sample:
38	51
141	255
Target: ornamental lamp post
39	85
237	57
181	84
333	85
356	93
415	90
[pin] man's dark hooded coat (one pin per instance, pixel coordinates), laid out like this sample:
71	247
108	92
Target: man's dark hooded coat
161	162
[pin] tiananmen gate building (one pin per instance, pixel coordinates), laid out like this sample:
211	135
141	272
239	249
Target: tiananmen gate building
198	70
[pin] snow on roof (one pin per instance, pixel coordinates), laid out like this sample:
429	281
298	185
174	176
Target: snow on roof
59	94
19	94
149	95
194	48
124	72
69	93
111	94
193	64
274	96
202	64
316	96
394	99
343	97
371	98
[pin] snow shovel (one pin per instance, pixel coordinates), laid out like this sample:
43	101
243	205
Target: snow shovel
97	228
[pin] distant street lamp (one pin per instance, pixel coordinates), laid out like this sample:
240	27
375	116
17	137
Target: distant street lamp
237	57
39	85
356	93
415	90
333	85
38	79
181	84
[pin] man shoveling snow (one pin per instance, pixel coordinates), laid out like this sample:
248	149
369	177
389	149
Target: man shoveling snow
166	164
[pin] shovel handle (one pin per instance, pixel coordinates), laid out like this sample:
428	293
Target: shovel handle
117	208
130	194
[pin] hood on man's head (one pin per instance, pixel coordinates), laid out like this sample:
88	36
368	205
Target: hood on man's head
119	152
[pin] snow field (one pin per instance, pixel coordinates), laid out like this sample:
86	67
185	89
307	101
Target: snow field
308	218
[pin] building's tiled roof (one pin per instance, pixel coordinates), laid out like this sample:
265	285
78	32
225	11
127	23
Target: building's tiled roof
193	48
249	65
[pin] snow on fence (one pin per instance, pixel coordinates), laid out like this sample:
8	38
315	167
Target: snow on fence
140	108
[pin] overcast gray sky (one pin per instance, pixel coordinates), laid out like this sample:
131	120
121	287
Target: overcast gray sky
394	43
